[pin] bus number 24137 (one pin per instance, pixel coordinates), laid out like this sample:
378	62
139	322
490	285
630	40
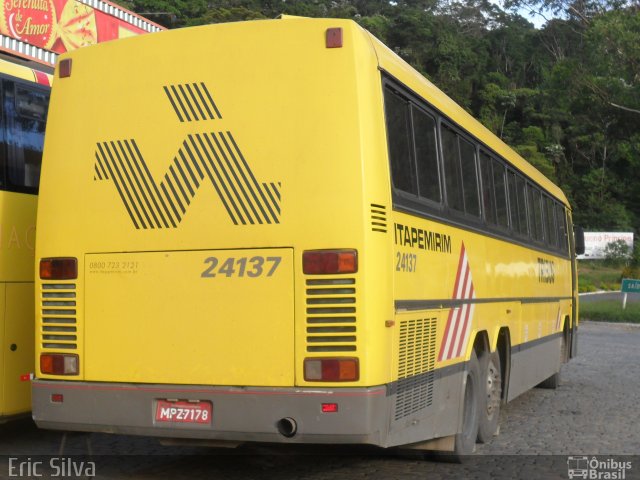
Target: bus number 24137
239	267
406	262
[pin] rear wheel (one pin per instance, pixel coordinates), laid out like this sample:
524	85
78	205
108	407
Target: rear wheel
490	395
465	441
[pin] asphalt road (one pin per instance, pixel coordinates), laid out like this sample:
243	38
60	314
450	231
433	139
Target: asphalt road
600	296
592	416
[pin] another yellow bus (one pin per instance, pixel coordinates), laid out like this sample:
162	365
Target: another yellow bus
26	62
24	96
281	232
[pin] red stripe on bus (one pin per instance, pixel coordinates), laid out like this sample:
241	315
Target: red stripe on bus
459	320
453	295
42	78
466	324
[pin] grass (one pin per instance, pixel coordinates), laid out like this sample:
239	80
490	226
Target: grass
593	275
610	311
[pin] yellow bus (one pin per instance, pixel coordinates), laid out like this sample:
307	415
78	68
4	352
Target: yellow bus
24	96
281	232
26	64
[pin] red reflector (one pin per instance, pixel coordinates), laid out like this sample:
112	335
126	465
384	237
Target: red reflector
329	407
322	262
334	37
64	68
57	398
58	364
331	369
59	268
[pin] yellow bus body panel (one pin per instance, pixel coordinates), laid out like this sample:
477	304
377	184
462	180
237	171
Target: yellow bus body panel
207	329
17	236
18	347
319	183
17	242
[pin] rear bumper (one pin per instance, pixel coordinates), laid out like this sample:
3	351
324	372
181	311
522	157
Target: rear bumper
239	414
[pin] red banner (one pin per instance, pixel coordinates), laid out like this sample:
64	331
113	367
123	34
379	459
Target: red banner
62	25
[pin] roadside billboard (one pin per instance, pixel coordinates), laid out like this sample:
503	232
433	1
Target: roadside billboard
595	243
40	29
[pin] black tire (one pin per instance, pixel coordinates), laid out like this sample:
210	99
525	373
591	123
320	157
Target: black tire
465	441
490	395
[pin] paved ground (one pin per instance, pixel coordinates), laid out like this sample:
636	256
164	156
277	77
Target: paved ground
593	413
600	296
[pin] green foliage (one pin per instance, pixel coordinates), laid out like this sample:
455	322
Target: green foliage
594	275
617	253
610	311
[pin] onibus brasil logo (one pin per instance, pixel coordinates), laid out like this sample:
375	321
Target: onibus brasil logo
597	469
205	156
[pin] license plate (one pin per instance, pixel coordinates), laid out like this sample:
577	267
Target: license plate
183	412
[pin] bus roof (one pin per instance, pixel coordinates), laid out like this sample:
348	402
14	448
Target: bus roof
25	73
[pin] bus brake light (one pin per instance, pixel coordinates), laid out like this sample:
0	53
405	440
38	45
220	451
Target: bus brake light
59	364
323	262
331	369
59	268
329	407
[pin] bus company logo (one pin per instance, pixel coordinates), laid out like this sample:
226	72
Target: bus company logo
456	334
596	469
207	155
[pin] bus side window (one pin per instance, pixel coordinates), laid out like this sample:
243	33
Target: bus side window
562	228
535	213
513	201
469	177
500	193
424	132
24	116
399	137
522	206
452	173
488	194
552	231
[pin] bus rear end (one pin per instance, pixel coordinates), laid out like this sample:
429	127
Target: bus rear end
202	225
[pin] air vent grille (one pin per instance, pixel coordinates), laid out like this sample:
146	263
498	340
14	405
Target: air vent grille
331	315
59	329
378	218
416	366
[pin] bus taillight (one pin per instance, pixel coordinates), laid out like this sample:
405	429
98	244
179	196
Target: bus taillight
322	262
59	364
331	369
63	268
